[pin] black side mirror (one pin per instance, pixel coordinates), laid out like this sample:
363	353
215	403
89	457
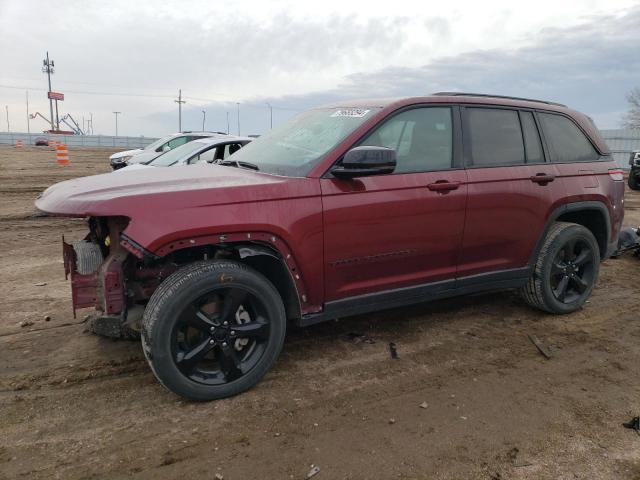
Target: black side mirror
364	161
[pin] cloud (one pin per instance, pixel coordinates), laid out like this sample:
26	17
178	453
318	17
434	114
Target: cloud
256	54
589	67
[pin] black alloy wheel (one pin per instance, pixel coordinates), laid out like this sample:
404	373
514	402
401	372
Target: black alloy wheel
220	336
572	271
213	329
565	271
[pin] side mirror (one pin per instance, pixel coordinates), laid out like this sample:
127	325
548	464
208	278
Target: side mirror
166	148
364	161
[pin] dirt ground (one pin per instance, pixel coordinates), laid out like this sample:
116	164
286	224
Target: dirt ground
469	398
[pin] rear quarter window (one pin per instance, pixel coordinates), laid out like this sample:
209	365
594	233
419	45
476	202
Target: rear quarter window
565	140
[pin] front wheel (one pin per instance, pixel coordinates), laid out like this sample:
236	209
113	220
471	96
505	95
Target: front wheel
213	329
566	269
633	180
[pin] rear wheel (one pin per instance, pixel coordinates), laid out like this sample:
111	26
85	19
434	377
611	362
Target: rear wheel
213	329
566	269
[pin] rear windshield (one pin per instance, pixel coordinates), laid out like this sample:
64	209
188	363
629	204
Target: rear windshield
295	147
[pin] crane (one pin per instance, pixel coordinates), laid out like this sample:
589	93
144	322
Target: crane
75	128
73	125
38	114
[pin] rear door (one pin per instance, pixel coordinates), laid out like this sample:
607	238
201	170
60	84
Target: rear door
403	229
511	191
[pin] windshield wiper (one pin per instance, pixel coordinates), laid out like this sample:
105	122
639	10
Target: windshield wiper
239	164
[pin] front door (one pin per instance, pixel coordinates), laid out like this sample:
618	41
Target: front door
403	229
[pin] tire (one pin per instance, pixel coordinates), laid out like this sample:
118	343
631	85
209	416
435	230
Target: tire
190	348
88	257
633	180
568	262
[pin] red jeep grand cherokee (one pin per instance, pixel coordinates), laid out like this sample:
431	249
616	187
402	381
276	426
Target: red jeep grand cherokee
345	209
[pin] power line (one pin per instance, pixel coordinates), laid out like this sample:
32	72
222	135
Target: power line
150	95
48	68
116	114
179	101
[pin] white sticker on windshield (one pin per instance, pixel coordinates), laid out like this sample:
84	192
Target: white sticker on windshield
350	112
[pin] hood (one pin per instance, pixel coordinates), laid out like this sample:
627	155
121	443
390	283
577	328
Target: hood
129	168
159	190
126	153
144	157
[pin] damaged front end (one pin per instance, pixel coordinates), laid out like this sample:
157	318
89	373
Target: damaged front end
105	276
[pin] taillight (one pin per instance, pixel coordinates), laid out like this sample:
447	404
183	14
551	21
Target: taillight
616	174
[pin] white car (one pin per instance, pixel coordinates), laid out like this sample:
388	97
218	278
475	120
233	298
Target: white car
210	150
155	149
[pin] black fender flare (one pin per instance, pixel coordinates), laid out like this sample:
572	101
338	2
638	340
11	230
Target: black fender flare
567	208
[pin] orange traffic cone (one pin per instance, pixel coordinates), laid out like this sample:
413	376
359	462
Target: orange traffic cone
53	144
62	155
19	144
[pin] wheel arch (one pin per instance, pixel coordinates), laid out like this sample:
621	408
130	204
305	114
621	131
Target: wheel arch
266	253
592	215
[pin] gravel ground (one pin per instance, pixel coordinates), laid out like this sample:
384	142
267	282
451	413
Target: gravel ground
470	397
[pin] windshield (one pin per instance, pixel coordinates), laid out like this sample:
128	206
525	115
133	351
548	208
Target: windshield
157	143
293	148
173	156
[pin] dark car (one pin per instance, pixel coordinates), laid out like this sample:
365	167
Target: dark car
41	142
345	209
634	173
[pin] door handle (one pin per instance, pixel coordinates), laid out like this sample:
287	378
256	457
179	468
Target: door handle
443	186
542	178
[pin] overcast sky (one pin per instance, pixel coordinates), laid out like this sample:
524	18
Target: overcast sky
133	56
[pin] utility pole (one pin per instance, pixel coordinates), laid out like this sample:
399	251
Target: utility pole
28	119
179	101
227	123
238	105
204	116
91	120
270	115
48	68
7	109
116	114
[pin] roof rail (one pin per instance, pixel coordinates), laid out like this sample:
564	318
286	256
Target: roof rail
486	95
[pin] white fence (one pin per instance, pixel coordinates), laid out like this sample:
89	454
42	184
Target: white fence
88	141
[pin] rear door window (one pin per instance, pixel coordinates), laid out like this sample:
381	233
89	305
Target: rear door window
532	143
565	140
495	137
